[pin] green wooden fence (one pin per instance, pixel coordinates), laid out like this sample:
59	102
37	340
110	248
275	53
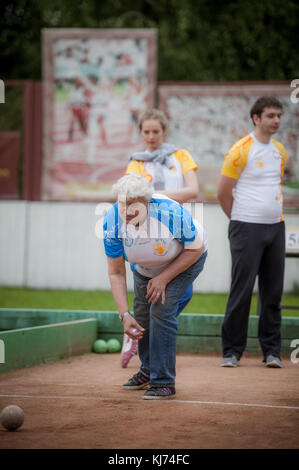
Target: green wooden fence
32	336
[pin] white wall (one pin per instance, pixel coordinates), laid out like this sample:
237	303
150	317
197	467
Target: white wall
63	249
54	245
13	233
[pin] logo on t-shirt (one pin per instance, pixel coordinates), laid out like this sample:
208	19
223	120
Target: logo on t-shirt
277	155
259	162
127	239
159	248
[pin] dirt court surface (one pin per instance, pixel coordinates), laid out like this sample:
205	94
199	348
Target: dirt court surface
78	403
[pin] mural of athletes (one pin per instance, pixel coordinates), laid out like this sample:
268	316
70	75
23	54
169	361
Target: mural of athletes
207	119
96	83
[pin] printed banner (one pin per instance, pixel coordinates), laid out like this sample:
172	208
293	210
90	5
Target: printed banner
9	164
96	83
208	119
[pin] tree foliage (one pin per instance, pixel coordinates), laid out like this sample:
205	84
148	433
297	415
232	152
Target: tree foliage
198	40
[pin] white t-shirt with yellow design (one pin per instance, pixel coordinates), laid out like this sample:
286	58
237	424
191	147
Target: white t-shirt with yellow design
174	177
259	169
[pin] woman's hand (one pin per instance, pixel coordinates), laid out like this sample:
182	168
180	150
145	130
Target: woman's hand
157	285
132	328
156	289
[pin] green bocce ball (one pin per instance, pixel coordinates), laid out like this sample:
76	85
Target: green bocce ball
100	346
113	345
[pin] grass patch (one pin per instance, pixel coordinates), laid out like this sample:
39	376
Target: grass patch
11	297
292	184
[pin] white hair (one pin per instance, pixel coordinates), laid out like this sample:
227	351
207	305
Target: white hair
132	187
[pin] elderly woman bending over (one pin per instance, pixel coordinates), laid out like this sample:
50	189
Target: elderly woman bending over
167	250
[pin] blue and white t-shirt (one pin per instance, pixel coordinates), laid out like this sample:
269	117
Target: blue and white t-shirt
166	231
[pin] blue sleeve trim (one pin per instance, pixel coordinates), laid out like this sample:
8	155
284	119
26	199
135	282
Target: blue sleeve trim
112	243
176	218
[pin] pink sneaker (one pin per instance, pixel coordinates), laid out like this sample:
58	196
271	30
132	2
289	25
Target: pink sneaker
129	348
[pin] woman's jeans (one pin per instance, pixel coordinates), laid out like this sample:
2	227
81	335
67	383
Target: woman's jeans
185	299
157	348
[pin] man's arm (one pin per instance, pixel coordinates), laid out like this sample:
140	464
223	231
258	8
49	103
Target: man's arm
225	193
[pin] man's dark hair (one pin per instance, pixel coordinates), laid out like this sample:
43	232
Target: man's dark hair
262	103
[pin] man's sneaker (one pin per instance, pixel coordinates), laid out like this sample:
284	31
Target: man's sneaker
137	382
159	393
129	348
230	361
273	361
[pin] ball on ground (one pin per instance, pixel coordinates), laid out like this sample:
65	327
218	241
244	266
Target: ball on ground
113	345
100	346
12	417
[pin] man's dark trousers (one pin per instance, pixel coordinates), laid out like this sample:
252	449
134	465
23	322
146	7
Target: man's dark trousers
256	249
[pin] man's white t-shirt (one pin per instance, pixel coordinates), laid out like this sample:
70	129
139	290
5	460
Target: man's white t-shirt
258	168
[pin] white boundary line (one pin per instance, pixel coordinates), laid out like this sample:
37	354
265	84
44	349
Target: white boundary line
55	397
237	404
192	402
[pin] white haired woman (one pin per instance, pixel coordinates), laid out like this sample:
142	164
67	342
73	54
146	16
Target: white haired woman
167	250
172	172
